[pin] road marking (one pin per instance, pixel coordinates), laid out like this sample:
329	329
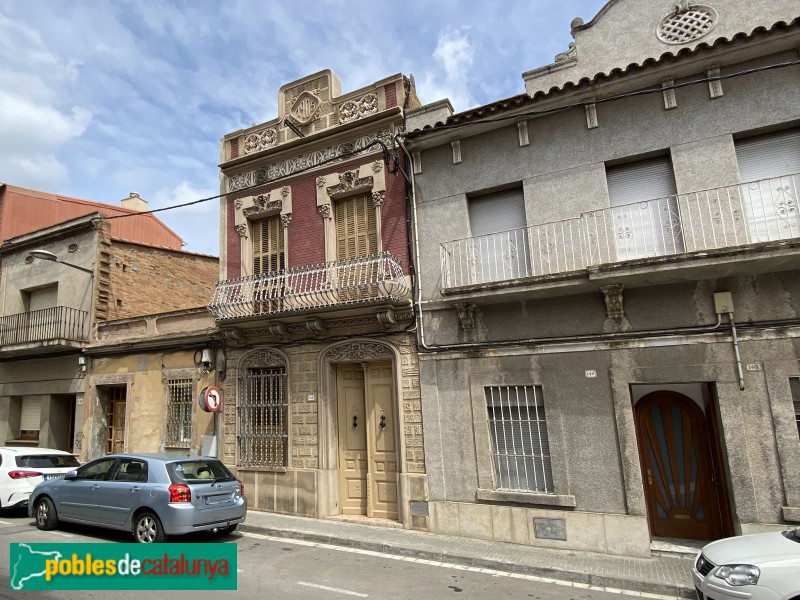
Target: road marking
332	589
5	523
445	565
62	534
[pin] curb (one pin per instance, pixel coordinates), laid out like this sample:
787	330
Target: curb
607	581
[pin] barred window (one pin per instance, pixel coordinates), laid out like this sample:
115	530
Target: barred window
179	412
794	383
519	438
263	412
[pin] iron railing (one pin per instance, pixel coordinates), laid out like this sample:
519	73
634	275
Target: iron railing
57	323
726	217
351	281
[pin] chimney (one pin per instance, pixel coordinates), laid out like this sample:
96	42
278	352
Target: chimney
133	202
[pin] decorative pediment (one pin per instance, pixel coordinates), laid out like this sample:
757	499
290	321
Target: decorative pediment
277	201
261	359
349	181
359	351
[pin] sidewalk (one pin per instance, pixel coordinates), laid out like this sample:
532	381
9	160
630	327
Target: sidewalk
657	575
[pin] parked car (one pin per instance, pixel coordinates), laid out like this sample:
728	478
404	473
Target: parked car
151	495
762	566
21	469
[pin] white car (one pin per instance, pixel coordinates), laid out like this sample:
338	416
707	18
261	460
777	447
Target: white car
763	566
21	469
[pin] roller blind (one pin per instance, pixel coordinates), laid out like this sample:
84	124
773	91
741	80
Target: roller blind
31	414
498	211
767	156
642	180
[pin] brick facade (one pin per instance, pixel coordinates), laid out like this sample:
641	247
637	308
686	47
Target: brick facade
146	280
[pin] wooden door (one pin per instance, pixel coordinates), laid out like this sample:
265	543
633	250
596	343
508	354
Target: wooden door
677	468
381	434
352	439
367	447
116	419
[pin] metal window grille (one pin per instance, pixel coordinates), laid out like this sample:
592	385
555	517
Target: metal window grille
263	413
518	429
179	412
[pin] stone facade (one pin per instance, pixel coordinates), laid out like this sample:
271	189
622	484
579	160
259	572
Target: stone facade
333	316
598	330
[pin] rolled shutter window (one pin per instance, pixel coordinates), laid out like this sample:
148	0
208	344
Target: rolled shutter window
30	418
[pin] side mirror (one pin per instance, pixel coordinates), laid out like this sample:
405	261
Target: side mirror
73	474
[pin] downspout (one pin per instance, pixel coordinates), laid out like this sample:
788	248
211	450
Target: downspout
418	280
736	352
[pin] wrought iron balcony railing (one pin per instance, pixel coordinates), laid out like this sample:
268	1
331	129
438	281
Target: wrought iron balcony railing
48	324
378	277
727	217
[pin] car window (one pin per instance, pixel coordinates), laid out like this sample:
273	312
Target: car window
97	469
131	470
199	471
47	461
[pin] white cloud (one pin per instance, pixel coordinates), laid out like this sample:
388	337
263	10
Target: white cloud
454	56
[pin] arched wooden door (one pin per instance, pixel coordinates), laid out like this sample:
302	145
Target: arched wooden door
677	467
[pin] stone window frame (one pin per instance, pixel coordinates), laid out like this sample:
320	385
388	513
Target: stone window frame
486	491
167	377
367	178
275	202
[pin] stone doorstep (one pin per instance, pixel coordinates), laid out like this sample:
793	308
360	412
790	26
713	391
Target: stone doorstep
676	548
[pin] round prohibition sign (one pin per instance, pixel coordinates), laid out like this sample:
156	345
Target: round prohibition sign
210	399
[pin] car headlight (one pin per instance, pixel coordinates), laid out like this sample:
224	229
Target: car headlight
739	574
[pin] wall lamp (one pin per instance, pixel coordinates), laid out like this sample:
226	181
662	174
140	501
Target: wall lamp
47	255
82	365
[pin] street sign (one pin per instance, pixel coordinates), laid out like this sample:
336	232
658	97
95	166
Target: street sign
210	399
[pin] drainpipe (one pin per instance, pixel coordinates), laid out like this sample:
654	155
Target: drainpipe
723	304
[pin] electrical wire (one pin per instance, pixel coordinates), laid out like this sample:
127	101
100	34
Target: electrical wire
393	169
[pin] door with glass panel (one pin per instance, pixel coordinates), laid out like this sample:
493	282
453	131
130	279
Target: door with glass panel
677	467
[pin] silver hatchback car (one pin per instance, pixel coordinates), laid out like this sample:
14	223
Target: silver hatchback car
152	495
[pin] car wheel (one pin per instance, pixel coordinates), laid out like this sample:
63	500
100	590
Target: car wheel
227	530
147	529
46	517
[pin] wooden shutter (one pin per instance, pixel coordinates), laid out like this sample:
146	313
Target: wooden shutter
268	256
356	227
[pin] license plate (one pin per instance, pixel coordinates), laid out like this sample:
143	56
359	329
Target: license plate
219	498
54	476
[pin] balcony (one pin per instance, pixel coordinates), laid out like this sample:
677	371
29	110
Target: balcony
376	279
51	329
652	235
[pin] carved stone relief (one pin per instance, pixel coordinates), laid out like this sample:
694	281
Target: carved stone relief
359	351
305	107
262	358
352	110
466	315
260	140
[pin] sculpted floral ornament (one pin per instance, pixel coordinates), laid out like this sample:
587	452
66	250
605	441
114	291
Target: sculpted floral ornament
359	351
377	198
352	110
349	181
325	211
262	358
260	140
242	230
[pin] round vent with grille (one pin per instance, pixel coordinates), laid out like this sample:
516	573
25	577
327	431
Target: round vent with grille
687	25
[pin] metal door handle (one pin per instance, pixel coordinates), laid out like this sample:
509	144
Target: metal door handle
649	477
135	488
96	486
355	421
383	422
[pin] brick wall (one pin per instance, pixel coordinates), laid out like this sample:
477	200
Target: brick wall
391	95
306	232
146	280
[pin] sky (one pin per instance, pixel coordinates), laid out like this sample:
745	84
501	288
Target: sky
102	98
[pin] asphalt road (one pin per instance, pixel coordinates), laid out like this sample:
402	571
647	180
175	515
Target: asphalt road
271	568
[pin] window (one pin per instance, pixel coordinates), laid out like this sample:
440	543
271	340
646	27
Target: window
769	169
131	470
268	258
519	439
30	418
96	470
179	412
356	227
263	413
646	220
794	384
498	249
